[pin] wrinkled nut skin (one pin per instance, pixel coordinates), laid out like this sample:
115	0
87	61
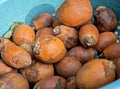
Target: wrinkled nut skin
4	42
38	71
112	51
50	83
105	19
55	22
42	20
28	48
88	35
15	56
95	74
44	31
13	80
23	34
105	39
74	12
49	49
82	54
71	83
4	68
68	35
67	67
117	63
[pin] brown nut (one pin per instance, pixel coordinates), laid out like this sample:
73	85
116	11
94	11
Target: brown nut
71	83
68	35
4	68
1	43
88	35
105	39
95	74
23	34
49	49
112	51
55	22
13	80
38	71
105	19
44	31
67	67
82	54
51	83
74	12
117	63
42	20
15	56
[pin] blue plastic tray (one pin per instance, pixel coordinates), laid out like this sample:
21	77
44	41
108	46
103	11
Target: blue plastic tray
26	10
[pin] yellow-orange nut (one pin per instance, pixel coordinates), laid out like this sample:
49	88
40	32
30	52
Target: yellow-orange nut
49	49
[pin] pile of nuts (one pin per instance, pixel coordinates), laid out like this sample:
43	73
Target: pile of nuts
60	53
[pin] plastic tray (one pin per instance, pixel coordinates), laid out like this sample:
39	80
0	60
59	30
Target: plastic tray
26	10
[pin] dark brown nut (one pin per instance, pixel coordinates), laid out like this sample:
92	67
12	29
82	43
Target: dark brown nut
67	67
68	35
116	61
82	54
51	83
71	83
38	71
55	22
105	19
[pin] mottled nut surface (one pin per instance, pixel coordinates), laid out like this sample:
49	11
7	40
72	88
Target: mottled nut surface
105	19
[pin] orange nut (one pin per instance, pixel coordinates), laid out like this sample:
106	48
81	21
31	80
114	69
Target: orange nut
88	35
23	34
42	20
44	31
74	12
15	56
112	51
105	39
49	49
95	74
